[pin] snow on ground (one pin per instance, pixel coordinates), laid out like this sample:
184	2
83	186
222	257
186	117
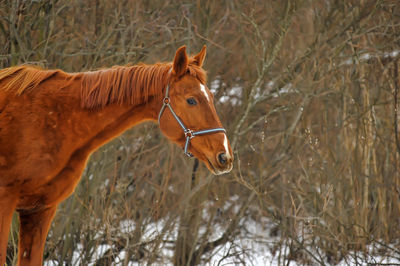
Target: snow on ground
253	245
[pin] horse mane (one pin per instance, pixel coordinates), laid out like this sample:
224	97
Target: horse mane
119	84
122	84
131	85
24	78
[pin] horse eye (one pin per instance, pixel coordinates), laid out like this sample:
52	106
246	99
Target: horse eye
191	101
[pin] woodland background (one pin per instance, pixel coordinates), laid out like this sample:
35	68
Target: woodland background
309	94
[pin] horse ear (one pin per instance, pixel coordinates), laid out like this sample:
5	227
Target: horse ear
180	61
199	58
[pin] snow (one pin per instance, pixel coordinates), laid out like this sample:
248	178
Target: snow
233	96
368	56
127	226
254	245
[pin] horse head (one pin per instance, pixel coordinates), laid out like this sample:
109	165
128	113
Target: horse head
188	116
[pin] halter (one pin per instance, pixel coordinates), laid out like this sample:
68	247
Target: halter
189	134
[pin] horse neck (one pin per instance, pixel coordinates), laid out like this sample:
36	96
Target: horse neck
104	124
131	85
110	117
124	87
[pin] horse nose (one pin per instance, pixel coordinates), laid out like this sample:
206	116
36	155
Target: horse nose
222	158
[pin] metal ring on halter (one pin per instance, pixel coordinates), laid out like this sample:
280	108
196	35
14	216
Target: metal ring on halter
189	134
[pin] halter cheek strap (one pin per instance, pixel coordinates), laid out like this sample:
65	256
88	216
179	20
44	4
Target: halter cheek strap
189	134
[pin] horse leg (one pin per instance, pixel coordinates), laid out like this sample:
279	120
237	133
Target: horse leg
7	207
34	226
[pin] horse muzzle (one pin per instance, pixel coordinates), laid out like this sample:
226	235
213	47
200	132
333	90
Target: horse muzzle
221	164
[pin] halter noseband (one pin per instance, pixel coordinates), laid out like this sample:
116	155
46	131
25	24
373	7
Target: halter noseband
189	134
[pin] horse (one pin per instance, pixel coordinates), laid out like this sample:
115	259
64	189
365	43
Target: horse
51	121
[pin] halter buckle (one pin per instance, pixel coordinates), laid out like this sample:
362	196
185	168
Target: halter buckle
189	134
166	100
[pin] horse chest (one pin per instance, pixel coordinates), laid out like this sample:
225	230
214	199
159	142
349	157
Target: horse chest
55	190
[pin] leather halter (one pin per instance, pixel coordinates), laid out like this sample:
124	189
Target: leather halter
189	134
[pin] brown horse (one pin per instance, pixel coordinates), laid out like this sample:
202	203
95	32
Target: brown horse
51	121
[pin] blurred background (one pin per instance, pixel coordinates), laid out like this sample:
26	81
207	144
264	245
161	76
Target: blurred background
309	94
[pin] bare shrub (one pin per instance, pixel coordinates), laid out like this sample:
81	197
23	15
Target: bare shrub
309	94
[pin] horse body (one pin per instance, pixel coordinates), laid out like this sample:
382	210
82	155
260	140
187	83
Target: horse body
51	133
51	121
44	149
